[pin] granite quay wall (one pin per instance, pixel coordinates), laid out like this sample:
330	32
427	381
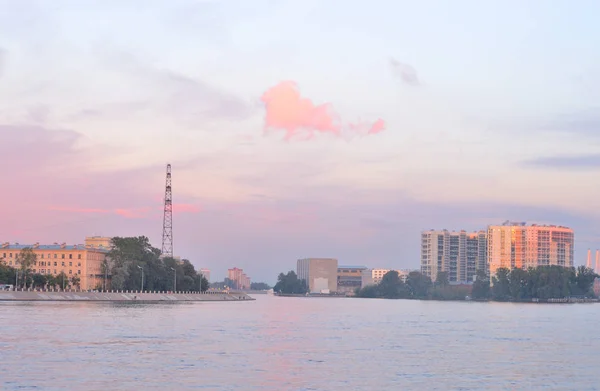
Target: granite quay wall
122	296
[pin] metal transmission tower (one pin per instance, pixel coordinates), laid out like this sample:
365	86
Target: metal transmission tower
167	236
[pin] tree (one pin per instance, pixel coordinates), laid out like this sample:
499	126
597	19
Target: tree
39	280
25	260
418	284
259	286
76	281
501	285
7	274
290	284
481	286
391	287
442	279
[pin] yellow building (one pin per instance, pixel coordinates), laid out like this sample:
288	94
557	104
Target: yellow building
84	261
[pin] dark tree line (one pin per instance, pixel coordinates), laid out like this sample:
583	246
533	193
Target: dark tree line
290	284
543	282
129	256
417	286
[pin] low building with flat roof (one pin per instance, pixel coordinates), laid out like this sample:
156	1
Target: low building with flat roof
53	259
349	278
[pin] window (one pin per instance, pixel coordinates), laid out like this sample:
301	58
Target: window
78	256
70	256
55	271
79	264
78	271
55	264
42	256
10	255
63	256
55	256
63	264
70	263
70	271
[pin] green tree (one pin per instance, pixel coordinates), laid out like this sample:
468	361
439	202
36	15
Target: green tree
290	284
391	287
442	279
26	259
369	291
7	274
481	286
418	284
501	285
76	281
259	286
39	280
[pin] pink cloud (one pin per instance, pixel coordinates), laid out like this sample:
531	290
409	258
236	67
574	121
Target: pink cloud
377	127
287	110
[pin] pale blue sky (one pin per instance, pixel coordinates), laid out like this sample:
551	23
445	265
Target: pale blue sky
503	123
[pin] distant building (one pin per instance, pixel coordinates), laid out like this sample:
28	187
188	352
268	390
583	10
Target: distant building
349	278
320	274
79	260
512	245
206	274
239	278
460	254
374	276
99	242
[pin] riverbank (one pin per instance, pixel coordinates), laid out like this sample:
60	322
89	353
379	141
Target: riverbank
122	296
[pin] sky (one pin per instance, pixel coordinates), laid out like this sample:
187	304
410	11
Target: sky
297	128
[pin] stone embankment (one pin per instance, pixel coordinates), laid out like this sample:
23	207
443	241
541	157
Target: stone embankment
122	296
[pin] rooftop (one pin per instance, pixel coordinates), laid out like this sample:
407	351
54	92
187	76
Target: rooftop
55	246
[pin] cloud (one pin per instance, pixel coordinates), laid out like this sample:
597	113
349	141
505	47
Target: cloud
287	110
405	72
2	61
186	98
565	162
53	189
583	123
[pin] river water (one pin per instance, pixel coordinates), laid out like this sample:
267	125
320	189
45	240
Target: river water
277	343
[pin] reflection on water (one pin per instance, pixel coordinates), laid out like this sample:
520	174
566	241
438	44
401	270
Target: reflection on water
298	344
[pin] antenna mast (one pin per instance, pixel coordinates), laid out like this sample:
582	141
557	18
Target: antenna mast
167	236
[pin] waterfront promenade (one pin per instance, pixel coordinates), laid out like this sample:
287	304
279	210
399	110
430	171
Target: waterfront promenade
122	296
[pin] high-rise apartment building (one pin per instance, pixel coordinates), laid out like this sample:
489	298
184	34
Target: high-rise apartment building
239	278
460	254
513	245
320	274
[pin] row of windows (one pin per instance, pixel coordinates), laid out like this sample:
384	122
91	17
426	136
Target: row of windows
49	271
43	263
10	255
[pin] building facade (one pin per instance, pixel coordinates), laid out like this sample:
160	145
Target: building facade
512	245
349	278
83	261
239	278
320	274
460	254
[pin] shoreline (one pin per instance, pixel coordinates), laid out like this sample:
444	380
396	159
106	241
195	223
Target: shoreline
6	296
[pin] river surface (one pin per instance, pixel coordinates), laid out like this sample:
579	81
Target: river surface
277	343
